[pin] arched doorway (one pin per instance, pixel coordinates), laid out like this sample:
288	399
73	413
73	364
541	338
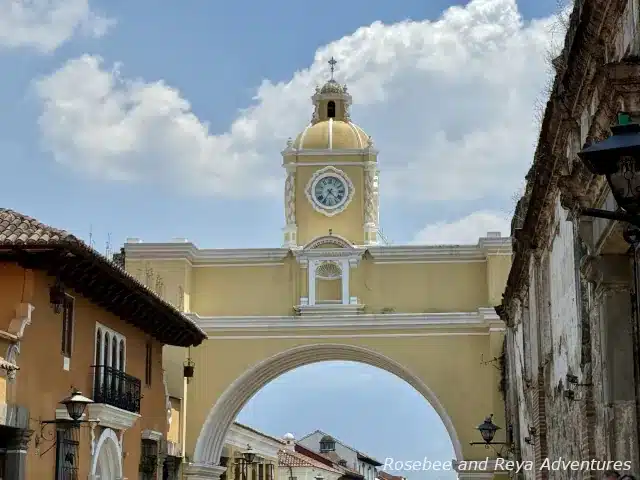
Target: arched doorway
107	458
211	439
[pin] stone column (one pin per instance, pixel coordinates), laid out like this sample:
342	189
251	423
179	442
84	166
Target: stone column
345	281
311	270
16	461
199	471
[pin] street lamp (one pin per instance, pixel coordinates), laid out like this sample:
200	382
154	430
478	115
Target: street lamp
488	431
618	159
75	404
249	455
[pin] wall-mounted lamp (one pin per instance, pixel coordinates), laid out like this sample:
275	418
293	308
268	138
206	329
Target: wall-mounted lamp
249	455
488	431
532	433
188	367
75	404
573	380
56	296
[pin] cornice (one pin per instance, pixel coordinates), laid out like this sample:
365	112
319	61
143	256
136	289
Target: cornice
341	152
263	445
484	318
187	251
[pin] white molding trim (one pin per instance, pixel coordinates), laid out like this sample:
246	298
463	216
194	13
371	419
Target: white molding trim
465	333
341	152
112	417
152	435
484	318
211	438
329	171
113	334
108	439
262	445
265	256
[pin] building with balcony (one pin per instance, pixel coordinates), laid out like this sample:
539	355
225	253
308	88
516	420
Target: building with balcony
70	318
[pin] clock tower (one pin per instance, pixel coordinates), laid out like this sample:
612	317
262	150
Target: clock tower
331	186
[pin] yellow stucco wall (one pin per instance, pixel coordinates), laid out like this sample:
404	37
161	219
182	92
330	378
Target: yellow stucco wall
349	223
275	288
449	361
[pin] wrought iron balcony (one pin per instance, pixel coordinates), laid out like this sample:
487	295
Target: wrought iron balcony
114	387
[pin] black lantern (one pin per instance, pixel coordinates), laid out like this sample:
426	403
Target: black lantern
249	455
488	429
76	404
56	296
188	368
618	159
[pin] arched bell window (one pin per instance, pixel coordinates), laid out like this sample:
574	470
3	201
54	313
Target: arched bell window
331	109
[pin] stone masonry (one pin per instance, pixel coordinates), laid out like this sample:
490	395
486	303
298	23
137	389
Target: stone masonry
568	356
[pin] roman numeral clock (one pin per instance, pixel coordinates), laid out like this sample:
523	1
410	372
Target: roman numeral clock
329	191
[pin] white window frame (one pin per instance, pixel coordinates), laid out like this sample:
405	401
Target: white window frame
112	335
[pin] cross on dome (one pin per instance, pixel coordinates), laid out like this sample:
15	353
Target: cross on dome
332	65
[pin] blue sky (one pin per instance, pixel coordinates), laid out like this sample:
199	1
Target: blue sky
165	119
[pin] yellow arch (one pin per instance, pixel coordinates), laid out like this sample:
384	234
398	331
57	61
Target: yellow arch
211	439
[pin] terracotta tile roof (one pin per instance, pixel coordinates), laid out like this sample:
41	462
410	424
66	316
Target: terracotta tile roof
289	458
8	366
382	475
20	232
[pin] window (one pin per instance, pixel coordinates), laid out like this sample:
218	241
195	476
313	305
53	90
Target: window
67	442
331	109
148	362
110	349
67	325
148	460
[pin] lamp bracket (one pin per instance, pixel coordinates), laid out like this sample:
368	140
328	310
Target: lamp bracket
618	215
505	449
495	362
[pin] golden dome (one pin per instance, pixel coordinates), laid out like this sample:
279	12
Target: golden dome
332	134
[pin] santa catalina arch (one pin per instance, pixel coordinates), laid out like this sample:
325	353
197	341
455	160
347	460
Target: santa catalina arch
334	290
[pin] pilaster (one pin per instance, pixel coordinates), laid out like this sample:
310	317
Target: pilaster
345	280
16	454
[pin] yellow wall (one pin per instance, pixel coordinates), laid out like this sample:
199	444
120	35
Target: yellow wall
449	361
274	289
451	366
349	223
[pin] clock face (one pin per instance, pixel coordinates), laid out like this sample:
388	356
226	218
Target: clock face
330	192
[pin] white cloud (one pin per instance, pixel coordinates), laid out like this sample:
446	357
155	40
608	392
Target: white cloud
44	25
464	231
449	103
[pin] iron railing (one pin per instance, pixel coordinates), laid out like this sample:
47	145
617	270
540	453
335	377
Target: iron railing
116	388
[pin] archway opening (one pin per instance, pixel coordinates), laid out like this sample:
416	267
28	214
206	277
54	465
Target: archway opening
438	430
107	460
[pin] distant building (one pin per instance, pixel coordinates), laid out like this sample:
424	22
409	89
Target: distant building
341	454
387	476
